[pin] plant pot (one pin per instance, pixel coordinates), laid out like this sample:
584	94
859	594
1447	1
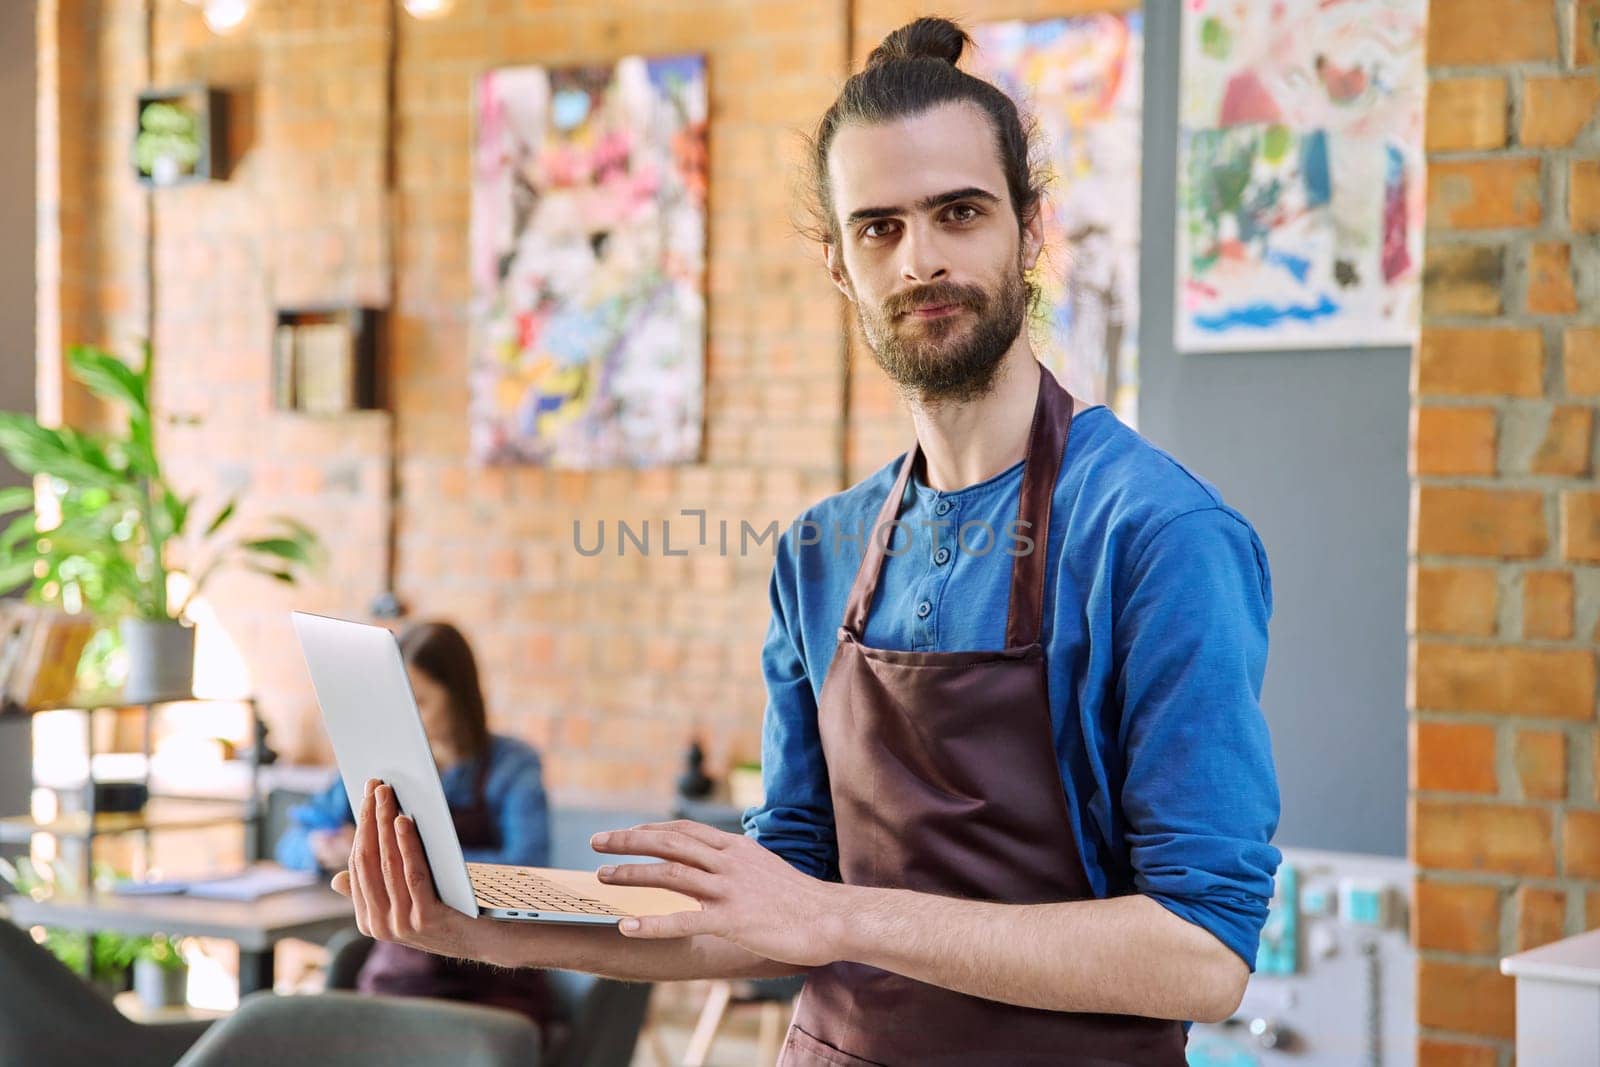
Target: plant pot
117	796
159	986
160	659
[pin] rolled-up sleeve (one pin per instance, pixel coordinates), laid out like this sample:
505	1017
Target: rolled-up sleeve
327	810
795	819
1200	795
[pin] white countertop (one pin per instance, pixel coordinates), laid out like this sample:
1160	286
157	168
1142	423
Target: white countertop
1574	959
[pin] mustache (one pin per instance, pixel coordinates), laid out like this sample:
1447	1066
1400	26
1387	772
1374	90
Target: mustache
934	293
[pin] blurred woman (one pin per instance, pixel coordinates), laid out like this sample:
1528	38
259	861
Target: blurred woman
495	788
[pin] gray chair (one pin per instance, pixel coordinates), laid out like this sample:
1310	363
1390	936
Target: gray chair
600	1018
364	1031
50	1017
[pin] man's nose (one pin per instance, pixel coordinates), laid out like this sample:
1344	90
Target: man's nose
922	258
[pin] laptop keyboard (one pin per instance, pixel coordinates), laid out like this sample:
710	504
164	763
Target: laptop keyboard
510	887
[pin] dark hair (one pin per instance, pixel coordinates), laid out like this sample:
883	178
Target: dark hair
441	651
914	70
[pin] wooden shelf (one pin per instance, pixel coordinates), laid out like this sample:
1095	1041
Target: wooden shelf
112	699
325	359
161	813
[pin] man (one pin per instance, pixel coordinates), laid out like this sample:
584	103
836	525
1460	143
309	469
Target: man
1020	792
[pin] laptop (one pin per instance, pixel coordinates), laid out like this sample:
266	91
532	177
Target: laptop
376	730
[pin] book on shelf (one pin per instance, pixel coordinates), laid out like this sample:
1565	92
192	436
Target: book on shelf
39	653
283	367
324	367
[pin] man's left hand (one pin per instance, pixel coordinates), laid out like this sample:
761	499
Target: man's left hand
748	895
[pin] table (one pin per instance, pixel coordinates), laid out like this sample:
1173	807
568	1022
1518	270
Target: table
133	1008
314	913
1558	1001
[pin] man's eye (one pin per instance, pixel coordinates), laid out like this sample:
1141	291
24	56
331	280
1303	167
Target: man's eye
963	213
876	229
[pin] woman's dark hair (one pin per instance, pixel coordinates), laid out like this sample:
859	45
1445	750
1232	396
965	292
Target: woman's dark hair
914	70
440	651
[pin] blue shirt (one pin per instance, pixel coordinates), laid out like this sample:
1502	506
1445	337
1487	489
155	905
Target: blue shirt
1155	635
514	793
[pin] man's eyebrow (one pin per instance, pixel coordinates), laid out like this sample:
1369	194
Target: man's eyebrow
927	203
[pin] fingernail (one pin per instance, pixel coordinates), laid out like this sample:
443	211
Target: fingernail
601	839
630	925
607	872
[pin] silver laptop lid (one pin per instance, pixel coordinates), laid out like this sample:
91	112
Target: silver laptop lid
376	730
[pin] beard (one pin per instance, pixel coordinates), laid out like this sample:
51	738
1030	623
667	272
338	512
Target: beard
947	359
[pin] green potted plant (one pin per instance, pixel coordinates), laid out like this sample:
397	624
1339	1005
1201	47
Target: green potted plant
94	531
169	143
160	974
152	966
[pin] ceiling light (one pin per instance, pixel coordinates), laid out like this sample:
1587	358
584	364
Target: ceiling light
428	9
224	16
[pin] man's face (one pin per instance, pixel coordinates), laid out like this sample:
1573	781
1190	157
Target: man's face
929	249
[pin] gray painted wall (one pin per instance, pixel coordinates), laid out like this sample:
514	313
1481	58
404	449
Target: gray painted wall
17	206
1311	447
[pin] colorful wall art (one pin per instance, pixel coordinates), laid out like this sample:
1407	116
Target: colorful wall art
1081	79
1300	173
588	264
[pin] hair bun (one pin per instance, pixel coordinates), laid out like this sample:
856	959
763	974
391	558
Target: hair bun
929	37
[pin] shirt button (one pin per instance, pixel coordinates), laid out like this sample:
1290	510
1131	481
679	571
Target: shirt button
923	609
941	557
942	507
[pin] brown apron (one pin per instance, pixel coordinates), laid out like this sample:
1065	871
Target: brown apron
401	970
944	780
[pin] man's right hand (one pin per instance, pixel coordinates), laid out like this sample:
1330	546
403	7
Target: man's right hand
389	882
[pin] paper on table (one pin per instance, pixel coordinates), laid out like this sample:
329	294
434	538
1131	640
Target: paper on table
252	883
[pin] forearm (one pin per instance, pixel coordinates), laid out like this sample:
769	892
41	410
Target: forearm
604	951
1126	955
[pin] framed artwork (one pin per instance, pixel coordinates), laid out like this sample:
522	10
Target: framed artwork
1300	174
588	264
1081	80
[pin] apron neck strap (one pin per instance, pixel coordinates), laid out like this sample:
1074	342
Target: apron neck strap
1047	445
1047	442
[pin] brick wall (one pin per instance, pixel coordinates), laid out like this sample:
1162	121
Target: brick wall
1504	593
608	664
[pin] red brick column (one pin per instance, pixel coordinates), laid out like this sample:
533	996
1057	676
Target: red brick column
92	226
1504	595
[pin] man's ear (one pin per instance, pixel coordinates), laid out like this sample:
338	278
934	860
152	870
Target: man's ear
835	265
1032	235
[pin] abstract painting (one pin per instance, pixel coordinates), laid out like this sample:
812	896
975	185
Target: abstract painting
1300	173
588	264
1081	79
